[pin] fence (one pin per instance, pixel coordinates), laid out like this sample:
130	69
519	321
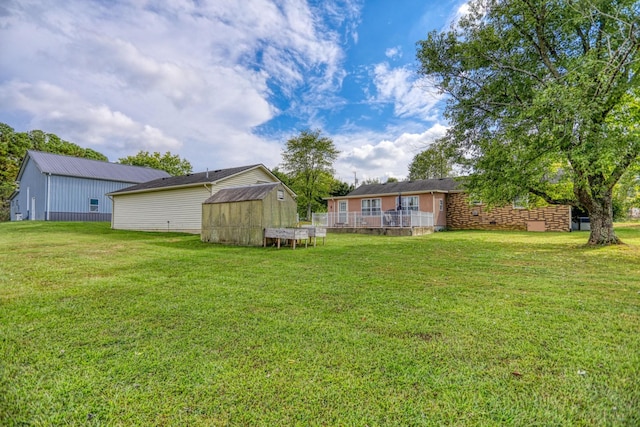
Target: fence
378	220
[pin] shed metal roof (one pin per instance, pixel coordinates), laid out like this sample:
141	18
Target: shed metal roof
242	194
186	180
444	185
57	164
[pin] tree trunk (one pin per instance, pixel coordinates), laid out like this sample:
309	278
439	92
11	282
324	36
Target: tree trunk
601	218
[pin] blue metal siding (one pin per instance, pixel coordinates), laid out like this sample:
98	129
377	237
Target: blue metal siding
32	185
67	198
70	194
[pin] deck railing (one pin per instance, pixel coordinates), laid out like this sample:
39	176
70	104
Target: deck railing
376	220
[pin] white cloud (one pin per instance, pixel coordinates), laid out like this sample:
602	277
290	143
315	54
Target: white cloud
385	154
191	77
412	96
197	78
394	52
57	110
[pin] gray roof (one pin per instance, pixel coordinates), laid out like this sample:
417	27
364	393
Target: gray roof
441	185
57	164
242	194
186	180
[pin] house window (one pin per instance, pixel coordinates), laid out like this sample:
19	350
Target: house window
371	206
521	202
441	204
409	203
94	205
280	195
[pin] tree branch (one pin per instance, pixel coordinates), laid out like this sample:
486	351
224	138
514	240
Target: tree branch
551	200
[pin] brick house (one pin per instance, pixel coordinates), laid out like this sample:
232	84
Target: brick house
437	204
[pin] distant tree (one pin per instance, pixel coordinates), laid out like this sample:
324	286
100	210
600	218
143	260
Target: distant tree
340	188
392	179
282	176
627	192
370	181
540	96
435	162
170	163
13	148
308	160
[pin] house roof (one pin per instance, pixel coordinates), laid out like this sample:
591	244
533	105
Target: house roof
242	194
57	164
440	185
186	180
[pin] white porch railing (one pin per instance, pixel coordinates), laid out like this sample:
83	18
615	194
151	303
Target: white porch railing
377	220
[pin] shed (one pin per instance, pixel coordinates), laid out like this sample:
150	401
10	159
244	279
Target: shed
239	215
55	187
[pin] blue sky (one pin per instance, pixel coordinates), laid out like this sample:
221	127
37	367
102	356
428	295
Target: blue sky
225	83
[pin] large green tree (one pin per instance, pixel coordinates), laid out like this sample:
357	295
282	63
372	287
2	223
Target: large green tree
13	148
308	162
170	163
539	95
435	162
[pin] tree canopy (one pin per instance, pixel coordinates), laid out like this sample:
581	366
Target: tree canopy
170	163
540	100
308	162
435	162
13	148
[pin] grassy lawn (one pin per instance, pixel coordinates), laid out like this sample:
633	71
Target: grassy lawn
102	327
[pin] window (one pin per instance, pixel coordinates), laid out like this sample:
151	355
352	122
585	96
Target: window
371	207
280	195
441	204
94	205
409	203
521	202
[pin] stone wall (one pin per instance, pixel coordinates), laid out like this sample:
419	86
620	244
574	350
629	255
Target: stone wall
461	215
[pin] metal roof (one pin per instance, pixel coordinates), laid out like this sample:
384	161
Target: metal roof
442	185
186	180
242	194
57	164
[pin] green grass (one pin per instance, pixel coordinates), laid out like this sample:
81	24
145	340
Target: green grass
102	327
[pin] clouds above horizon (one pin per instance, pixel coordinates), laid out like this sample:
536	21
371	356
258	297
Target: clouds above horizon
221	82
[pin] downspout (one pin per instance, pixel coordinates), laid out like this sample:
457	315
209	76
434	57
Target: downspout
433	209
48	195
